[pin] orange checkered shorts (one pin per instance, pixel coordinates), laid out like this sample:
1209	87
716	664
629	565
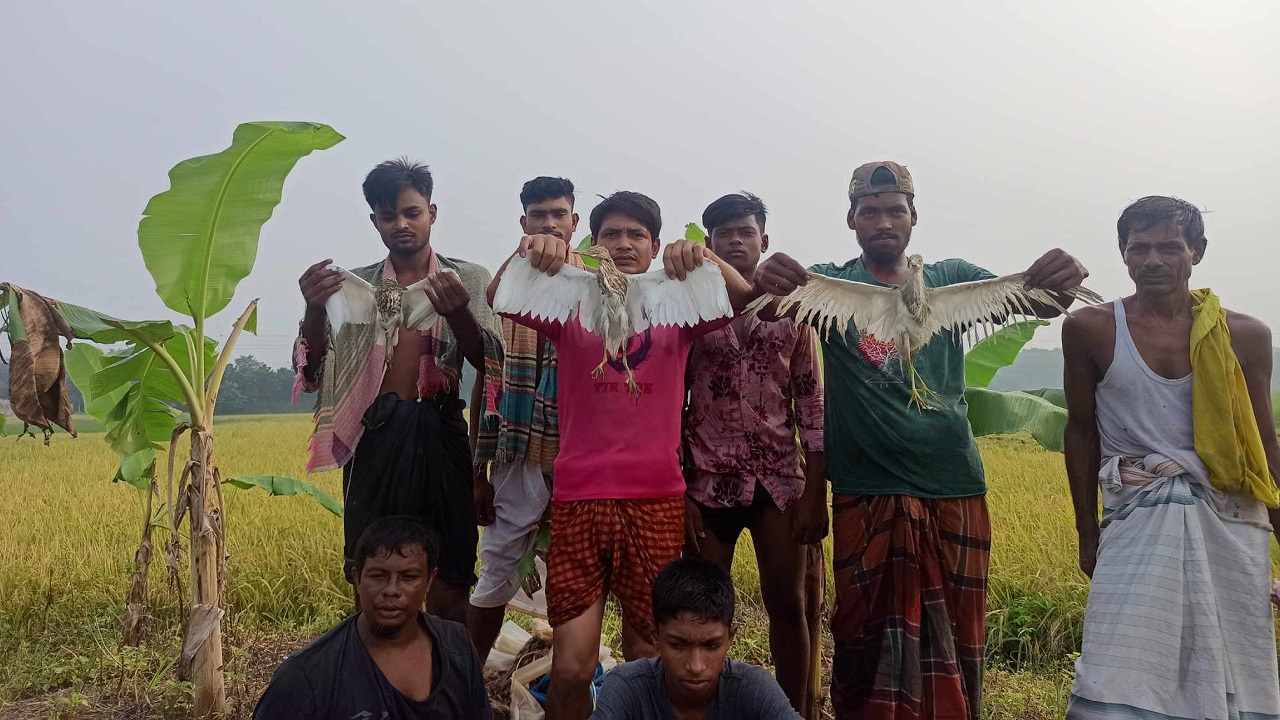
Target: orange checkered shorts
618	546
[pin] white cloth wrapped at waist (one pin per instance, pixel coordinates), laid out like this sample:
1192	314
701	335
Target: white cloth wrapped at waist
1122	477
1117	471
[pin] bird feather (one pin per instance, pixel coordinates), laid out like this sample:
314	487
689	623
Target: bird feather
652	298
355	303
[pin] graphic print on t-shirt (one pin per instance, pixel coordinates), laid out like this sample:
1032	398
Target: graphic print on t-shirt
875	352
635	359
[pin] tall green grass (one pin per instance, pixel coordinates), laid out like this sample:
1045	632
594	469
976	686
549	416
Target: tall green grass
67	537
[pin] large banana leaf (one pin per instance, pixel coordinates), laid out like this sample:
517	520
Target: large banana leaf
83	361
277	485
1002	413
1053	395
135	396
199	238
146	415
98	327
997	350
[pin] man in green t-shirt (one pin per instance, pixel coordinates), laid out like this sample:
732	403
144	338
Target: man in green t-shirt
909	516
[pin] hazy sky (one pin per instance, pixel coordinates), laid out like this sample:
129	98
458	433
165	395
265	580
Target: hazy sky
1026	125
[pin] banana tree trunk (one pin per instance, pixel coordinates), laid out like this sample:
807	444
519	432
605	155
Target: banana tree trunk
135	613
815	602
202	647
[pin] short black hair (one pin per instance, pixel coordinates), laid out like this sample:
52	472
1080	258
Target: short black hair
1156	210
734	207
543	188
640	208
396	534
691	585
383	184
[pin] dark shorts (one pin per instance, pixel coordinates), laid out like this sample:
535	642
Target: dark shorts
728	523
414	458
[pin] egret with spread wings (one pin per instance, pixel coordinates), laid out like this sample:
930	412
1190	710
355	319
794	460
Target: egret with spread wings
610	304
911	314
385	303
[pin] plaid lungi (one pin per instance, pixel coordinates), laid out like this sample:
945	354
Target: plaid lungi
911	600
618	546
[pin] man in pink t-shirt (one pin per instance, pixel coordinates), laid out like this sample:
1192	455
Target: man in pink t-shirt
617	507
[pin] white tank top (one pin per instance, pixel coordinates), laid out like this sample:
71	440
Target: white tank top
1141	413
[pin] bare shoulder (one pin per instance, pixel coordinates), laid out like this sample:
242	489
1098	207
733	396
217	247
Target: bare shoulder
1089	325
1248	329
1250	339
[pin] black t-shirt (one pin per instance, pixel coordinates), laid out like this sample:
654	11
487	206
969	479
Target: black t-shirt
334	678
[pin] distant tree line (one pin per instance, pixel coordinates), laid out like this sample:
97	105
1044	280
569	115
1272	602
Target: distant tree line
250	387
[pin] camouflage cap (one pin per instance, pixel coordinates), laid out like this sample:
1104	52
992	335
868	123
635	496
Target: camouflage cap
876	178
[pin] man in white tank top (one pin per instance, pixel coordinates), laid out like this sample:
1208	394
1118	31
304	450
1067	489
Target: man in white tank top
1178	623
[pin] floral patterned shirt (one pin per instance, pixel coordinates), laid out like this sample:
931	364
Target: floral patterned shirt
747	404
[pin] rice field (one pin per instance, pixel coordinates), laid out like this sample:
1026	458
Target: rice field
67	537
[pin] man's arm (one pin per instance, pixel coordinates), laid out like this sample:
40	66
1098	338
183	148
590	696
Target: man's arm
317	284
809	522
1083	452
481	487
1251	341
450	298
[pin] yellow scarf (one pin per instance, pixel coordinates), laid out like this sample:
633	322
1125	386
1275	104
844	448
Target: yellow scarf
1226	430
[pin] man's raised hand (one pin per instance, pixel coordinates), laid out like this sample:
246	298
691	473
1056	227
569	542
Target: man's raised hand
319	283
682	256
447	293
779	274
546	253
1056	271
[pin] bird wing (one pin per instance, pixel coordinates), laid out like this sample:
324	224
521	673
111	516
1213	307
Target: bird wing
353	303
827	302
417	312
525	290
984	303
655	299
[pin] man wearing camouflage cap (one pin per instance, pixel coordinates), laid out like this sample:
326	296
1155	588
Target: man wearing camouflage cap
911	533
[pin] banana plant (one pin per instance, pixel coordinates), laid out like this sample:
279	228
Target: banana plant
198	239
992	412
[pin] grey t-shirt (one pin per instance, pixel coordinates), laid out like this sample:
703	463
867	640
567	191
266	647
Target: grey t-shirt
636	691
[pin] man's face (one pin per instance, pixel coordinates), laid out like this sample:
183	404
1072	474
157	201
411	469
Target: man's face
628	242
693	651
392	588
550	217
883	224
740	243
405	228
1160	258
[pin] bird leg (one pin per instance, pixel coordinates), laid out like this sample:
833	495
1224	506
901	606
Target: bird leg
633	389
920	393
595	374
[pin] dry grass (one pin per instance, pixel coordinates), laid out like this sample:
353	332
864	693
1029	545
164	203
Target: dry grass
67	538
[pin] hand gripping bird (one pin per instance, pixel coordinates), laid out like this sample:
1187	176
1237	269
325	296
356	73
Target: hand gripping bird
385	303
611	304
911	314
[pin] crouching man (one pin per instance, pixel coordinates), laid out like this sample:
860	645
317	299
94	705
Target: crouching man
391	660
691	677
